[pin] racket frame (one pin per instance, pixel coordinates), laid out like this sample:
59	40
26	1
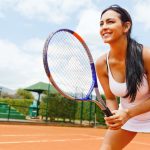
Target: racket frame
94	86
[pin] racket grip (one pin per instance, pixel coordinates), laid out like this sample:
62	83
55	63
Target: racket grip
107	112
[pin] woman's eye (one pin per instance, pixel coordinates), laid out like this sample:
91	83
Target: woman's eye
110	22
101	24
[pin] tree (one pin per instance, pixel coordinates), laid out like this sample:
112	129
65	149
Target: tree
59	107
21	93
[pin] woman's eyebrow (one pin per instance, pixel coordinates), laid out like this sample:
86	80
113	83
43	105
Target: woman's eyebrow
107	19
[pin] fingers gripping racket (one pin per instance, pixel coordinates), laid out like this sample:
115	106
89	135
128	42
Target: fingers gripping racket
70	67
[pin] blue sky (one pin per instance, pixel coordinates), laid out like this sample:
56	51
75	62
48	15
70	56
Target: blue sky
25	24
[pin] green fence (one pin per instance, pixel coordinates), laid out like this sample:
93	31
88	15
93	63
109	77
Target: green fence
61	109
12	112
53	109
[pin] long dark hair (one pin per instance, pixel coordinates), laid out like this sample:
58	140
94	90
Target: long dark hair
134	59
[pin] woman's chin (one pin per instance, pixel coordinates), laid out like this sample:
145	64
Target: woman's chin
107	41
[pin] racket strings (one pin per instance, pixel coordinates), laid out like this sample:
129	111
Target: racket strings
69	57
78	46
69	65
70	48
67	82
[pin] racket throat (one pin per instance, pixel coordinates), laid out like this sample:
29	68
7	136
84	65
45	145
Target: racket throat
107	112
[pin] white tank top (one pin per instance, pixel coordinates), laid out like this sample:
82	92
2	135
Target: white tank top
140	123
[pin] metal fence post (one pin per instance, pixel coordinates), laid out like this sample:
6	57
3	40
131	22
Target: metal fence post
47	103
9	108
81	113
95	117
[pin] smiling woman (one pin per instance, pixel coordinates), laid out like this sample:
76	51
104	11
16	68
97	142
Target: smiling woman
110	25
123	72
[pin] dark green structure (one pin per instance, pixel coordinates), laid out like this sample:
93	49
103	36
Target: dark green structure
9	112
39	88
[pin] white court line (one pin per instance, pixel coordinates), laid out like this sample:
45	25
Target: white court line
64	140
20	142
25	135
46	141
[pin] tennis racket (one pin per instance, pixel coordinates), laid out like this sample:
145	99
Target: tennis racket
70	67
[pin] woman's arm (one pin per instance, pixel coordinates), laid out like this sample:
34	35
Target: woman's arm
139	109
111	101
101	69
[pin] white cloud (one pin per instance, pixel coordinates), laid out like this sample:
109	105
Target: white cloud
89	22
42	10
141	12
19	69
5	4
50	10
55	11
88	27
70	6
34	46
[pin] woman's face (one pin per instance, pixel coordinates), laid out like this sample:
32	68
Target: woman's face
111	27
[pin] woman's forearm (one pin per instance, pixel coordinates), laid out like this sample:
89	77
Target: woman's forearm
112	104
139	109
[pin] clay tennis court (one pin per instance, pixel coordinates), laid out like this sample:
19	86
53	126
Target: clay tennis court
34	137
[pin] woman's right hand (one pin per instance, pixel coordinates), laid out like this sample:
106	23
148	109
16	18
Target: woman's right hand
119	118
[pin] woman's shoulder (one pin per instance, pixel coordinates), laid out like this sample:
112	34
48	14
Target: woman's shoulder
101	60
146	57
146	53
101	66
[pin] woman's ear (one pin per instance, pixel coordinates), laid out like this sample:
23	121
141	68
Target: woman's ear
127	26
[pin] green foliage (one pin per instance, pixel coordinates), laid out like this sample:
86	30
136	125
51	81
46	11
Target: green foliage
21	93
88	111
21	105
58	107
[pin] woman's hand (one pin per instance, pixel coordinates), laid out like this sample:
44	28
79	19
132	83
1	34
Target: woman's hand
119	118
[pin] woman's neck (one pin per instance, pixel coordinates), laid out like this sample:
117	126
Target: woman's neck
118	49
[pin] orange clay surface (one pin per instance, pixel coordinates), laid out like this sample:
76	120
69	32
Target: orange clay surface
30	137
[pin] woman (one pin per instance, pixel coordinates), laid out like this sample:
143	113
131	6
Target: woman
123	72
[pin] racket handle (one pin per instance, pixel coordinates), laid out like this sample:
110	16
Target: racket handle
107	112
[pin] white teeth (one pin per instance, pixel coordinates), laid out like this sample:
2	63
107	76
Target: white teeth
106	35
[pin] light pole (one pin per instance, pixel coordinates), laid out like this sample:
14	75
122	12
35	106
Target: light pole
1	91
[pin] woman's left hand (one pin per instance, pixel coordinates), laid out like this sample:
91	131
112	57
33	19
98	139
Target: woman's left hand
119	118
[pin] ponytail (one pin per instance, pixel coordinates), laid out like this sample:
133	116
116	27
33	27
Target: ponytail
134	68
